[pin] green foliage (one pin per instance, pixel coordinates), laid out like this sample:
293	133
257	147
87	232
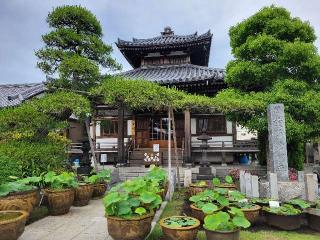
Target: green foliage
102	176
226	221
200	184
178	222
244	205
286	210
228	179
10	187
258	201
216	181
157	174
9	168
131	198
206	199
275	62
235	195
74	49
300	203
61	181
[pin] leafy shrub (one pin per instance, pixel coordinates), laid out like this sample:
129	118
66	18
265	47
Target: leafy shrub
61	181
34	158
9	167
226	221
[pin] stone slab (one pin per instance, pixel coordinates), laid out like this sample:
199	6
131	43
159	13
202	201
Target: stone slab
242	182
187	177
247	178
273	185
255	186
311	187
278	159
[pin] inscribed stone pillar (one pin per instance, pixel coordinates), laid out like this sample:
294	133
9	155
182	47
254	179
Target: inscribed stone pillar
255	186
242	182
247	178
273	186
187	177
311	187
278	159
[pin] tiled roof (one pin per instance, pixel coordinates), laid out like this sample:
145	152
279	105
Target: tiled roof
14	94
166	39
170	74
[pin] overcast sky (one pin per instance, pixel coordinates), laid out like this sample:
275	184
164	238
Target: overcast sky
22	22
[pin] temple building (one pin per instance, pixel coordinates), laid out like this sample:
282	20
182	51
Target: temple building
170	60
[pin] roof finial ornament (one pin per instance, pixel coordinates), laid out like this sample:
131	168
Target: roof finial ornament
167	31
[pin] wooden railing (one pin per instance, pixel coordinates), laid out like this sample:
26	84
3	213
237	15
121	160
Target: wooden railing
229	146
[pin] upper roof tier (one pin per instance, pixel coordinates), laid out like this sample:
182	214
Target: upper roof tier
198	46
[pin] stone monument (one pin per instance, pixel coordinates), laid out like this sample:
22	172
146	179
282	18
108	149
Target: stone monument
278	159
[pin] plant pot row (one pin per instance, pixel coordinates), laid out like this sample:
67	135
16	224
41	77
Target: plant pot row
58	201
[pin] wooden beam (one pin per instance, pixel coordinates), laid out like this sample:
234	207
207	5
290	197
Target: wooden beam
121	159
187	137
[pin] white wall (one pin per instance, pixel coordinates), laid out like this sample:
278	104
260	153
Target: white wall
244	134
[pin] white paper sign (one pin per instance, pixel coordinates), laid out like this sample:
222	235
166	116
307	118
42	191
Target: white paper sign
274	204
156	148
104	158
245	200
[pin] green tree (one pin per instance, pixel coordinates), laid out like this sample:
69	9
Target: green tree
275	62
74	51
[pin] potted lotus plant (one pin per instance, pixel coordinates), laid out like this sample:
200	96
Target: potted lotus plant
180	227
59	191
262	202
228	183
285	217
129	209
84	191
251	211
12	224
197	187
100	181
225	225
313	216
158	176
20	194
207	202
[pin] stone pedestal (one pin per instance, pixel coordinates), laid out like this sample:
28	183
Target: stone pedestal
205	173
187	177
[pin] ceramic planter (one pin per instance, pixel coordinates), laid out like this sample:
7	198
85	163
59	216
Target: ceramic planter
82	195
221	235
136	228
12	224
290	222
313	216
25	201
252	214
194	189
99	189
59	201
179	233
198	213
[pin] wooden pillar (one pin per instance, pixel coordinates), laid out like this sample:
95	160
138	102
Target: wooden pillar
187	137
121	153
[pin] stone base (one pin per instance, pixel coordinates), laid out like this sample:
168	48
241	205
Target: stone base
204	177
286	190
205	173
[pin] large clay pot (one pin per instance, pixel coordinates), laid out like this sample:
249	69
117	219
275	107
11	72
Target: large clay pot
180	233
252	214
198	213
291	222
82	195
194	190
99	189
313	216
219	235
25	201
136	228
12	224
59	201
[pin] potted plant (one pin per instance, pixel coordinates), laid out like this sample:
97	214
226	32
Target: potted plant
235	196
225	225
129	209
299	203
313	216
251	211
12	224
285	217
158	176
20	194
99	181
197	187
59	191
83	193
228	183
207	202
261	201
180	227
